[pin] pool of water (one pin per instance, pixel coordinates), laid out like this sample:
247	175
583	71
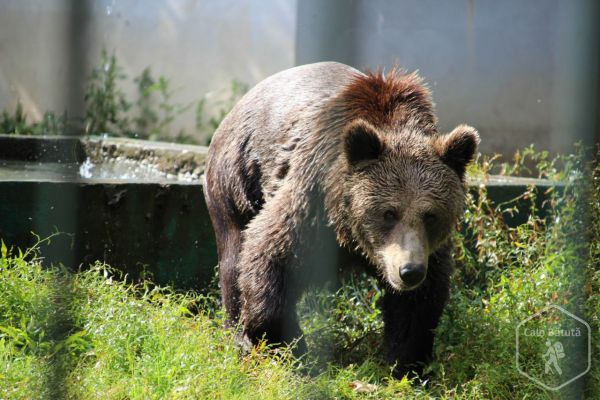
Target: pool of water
121	170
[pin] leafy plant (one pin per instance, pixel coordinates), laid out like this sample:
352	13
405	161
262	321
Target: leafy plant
51	124
106	104
155	116
108	110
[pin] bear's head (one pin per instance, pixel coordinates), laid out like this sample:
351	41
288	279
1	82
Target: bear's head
403	194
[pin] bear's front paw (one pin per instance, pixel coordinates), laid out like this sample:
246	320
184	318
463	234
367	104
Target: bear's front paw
410	371
414	372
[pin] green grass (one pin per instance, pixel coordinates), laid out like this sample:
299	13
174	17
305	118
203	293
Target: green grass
94	335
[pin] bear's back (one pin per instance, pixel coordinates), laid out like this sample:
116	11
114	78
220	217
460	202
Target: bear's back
253	145
277	100
284	105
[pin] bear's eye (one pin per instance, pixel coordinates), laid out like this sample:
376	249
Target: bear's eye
429	218
390	217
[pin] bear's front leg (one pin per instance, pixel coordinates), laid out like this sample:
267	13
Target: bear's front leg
266	263
410	319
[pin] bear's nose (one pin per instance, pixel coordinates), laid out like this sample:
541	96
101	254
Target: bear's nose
412	274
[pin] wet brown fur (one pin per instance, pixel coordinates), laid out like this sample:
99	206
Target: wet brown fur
389	99
297	177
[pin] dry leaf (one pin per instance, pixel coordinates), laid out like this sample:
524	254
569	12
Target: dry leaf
361	387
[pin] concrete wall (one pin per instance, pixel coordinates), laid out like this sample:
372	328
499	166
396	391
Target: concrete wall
33	56
520	71
200	45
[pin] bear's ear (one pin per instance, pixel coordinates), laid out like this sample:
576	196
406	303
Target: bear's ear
362	144
457	149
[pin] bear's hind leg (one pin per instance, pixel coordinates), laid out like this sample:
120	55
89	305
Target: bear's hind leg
229	242
228	277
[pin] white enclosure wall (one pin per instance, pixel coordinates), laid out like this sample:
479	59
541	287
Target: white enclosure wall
519	71
201	46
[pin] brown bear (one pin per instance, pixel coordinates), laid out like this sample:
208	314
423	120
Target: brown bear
322	165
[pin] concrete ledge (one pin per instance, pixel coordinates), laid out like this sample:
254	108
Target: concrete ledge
158	225
171	158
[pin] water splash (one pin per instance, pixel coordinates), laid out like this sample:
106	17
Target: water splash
118	169
85	170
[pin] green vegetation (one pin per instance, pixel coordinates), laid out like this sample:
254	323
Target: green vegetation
51	124
108	109
93	335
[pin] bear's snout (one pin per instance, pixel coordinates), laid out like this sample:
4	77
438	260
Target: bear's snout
403	258
413	274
